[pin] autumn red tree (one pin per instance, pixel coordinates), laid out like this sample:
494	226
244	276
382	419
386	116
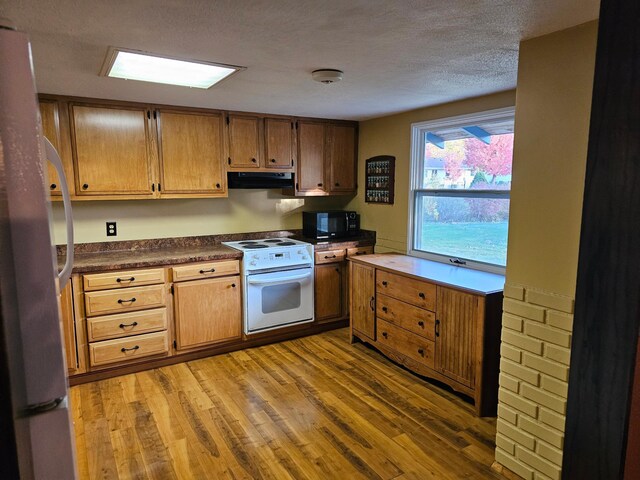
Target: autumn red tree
493	159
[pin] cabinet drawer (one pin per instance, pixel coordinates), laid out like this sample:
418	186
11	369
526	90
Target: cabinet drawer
206	270
126	324
406	343
330	256
131	278
416	292
357	251
129	348
409	317
125	300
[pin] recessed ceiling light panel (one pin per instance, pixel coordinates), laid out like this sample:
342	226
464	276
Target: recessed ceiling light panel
148	67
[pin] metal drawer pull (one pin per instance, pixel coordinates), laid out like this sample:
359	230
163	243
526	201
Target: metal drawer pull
53	186
385	334
437	328
384	284
211	270
273	160
327	256
384	309
123	349
421	295
253	160
123	325
130	279
233	285
319	184
131	300
421	351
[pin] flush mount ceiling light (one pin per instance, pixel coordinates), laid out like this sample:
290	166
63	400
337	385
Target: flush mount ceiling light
149	67
327	75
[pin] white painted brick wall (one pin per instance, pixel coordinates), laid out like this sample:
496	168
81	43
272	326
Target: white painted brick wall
534	371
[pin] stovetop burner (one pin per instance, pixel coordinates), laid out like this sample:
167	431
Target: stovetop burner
275	240
285	244
247	242
257	245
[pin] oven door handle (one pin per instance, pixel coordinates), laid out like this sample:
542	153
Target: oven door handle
279	280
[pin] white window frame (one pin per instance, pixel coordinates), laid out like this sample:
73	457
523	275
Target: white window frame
418	131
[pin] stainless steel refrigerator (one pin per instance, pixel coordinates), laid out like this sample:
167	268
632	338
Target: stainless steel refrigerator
35	424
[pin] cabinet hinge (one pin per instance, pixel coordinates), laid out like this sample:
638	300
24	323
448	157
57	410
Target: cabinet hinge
297	188
148	114
292	162
291	125
228	121
154	115
153	187
229	160
159	187
175	344
171	289
296	125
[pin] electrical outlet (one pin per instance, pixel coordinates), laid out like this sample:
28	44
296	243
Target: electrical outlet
111	229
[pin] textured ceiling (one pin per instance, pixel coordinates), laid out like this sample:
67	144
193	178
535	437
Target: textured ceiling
396	55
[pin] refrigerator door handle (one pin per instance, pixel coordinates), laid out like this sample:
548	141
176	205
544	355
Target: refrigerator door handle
54	158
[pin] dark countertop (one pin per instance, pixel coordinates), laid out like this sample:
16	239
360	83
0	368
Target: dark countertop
106	256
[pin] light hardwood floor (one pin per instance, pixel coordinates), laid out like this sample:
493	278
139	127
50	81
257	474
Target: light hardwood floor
311	408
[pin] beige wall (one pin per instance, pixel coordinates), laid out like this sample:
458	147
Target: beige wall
243	211
555	80
553	104
392	136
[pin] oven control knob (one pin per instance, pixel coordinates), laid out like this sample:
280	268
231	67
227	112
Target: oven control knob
253	263
256	257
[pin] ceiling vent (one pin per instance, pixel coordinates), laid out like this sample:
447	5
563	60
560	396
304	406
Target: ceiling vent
327	75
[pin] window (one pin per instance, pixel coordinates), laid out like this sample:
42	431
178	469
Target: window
460	187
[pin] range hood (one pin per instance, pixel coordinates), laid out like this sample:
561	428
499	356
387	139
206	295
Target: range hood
259	180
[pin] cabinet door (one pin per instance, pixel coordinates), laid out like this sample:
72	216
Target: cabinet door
310	171
244	141
341	141
111	150
279	142
191	153
55	129
207	311
456	325
329	291
69	330
363	300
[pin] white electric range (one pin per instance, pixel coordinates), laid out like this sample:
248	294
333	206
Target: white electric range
277	283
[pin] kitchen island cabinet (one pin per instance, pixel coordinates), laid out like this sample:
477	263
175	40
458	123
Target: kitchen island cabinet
440	321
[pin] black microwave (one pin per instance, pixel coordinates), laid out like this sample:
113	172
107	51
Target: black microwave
330	224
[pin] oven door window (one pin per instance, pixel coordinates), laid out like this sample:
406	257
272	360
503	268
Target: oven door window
278	298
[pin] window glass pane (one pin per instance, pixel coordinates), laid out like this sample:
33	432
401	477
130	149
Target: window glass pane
468	163
473	228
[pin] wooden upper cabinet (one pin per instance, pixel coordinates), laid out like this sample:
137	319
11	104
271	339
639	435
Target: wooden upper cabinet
456	335
244	141
341	141
362	305
279	143
55	129
311	158
112	150
191	148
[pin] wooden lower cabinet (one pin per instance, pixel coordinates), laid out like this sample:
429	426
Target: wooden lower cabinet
362	301
69	330
207	311
441	332
329	291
